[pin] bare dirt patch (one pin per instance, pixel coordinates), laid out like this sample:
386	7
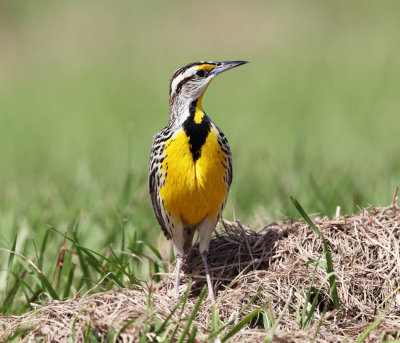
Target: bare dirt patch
366	257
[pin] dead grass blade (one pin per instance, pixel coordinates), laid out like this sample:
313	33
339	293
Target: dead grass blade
271	332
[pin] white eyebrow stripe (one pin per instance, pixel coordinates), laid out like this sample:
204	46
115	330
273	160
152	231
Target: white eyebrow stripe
179	78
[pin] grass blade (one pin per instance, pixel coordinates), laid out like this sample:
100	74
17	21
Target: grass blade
94	262
163	337
11	259
311	311
164	324
271	332
310	314
269	318
366	332
234	281
47	285
192	314
328	256
216	323
17	335
124	327
43	248
320	322
45	282
242	323
8	298
184	300
153	249
121	269
67	287
60	263
253	299
192	337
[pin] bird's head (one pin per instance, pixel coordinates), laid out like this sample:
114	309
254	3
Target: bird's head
189	83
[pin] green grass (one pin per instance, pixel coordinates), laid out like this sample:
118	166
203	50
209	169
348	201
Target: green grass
109	270
83	89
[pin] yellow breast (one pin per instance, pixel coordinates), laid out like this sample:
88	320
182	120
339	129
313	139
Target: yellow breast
193	189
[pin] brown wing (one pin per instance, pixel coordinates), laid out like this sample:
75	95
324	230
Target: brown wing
223	142
156	176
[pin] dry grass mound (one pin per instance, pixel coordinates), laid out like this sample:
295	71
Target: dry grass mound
366	257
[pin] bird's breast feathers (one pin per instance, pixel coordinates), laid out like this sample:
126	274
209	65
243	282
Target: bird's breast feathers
194	187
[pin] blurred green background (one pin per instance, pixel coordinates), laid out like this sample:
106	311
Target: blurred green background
84	87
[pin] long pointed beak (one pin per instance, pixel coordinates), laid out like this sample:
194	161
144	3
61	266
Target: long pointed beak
223	66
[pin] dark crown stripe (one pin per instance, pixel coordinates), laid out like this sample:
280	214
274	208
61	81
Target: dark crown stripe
180	85
181	71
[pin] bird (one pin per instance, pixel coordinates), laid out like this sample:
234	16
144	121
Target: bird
190	167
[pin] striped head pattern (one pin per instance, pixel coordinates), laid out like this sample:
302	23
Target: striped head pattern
188	85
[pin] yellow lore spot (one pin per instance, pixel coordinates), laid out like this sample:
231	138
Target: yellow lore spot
206	67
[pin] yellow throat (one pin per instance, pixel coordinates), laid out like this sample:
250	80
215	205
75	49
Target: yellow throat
195	185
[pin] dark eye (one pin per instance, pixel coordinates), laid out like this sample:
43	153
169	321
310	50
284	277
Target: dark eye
201	73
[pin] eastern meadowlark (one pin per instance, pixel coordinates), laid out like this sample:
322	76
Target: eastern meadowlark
190	169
